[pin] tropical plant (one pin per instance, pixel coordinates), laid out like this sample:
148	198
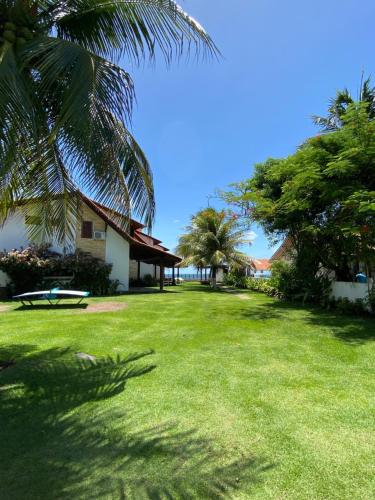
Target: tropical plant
339	105
322	198
212	240
65	104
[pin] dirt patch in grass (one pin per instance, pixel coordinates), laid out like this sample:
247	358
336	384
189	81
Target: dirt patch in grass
242	296
98	307
4	308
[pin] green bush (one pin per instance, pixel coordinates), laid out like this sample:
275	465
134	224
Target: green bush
147	281
235	279
346	306
27	269
298	284
89	273
262	285
370	301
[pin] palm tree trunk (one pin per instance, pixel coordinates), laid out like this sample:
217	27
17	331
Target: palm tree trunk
213	277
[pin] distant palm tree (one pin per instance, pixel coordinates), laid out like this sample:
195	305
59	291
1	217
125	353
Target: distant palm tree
65	104
212	240
339	104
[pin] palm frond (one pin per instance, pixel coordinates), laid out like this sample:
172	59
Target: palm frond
135	28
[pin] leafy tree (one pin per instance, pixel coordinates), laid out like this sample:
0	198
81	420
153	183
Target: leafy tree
322	198
65	104
340	103
212	240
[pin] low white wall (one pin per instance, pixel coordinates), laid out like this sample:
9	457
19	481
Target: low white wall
117	254
351	291
4	279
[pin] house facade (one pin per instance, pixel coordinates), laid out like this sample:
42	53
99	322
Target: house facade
133	254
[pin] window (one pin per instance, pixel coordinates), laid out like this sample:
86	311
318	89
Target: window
87	229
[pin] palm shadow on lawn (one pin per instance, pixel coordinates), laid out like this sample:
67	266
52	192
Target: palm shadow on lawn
349	329
52	450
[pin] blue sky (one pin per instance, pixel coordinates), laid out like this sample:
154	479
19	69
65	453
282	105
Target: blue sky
204	125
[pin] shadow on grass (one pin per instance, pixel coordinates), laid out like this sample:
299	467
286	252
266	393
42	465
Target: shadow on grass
59	438
197	287
350	329
151	290
46	307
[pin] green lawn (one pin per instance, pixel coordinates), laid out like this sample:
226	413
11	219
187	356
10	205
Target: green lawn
239	399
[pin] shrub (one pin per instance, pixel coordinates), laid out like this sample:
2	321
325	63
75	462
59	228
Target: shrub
27	268
235	279
299	284
89	273
346	306
370	301
147	281
262	285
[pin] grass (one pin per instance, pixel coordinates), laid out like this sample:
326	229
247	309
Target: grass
196	394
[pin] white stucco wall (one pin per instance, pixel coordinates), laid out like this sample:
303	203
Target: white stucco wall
148	269
4	279
144	270
13	235
219	275
117	254
349	290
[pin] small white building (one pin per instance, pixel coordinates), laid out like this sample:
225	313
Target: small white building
132	254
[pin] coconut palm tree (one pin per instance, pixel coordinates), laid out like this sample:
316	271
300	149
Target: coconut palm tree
339	105
65	103
212	240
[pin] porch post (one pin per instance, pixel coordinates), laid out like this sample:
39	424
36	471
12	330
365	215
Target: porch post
178	272
161	276
155	271
139	270
173	276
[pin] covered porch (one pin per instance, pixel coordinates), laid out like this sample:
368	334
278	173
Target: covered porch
152	260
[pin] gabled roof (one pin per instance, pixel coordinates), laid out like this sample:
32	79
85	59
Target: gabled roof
261	264
143	246
283	252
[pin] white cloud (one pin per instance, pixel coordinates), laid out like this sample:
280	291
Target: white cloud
176	221
252	235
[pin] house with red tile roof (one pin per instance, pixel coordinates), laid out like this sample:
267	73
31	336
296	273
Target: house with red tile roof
132	253
261	265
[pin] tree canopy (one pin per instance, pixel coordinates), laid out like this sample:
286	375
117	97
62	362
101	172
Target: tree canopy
322	197
339	105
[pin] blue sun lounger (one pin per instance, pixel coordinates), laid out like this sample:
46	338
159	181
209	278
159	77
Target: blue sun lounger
55	294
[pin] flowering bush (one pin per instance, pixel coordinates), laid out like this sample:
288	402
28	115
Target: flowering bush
27	269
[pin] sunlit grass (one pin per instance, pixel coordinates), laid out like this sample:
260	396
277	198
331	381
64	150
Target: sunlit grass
226	397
